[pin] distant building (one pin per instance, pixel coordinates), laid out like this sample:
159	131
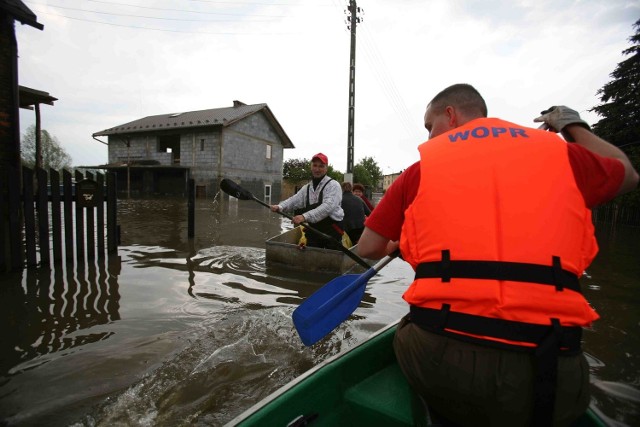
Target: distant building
387	180
156	155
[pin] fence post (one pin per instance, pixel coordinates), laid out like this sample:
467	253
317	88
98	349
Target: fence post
42	204
90	226
79	223
100	214
191	208
29	216
112	214
67	188
54	179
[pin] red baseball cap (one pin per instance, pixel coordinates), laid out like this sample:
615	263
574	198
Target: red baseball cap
321	157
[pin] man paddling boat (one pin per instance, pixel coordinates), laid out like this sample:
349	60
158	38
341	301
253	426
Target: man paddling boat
317	203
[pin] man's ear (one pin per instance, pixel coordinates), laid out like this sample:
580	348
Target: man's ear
452	118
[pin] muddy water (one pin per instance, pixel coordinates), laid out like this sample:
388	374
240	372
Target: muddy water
179	332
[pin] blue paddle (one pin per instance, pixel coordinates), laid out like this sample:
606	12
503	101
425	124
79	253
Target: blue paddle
333	303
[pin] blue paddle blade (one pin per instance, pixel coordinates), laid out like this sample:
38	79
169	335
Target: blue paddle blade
329	306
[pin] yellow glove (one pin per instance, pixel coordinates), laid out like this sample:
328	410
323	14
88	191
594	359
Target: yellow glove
346	241
303	238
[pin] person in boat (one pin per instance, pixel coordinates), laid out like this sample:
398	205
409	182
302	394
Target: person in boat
358	190
318	204
355	213
495	220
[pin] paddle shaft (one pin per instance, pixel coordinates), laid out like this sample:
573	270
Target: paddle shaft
347	252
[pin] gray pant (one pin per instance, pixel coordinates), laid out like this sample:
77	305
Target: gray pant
474	385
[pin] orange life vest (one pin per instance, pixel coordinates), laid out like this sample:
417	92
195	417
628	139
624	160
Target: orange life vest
498	233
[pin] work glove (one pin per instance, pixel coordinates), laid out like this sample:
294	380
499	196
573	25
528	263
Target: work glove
557	117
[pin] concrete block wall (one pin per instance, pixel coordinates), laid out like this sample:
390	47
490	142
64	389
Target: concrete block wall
244	153
141	147
200	151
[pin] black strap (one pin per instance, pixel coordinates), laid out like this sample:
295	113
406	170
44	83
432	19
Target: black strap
546	376
437	320
309	206
552	340
553	274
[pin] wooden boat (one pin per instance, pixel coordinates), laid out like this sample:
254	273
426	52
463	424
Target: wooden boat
360	387
283	251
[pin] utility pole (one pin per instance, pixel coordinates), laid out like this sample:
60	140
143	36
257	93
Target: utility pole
353	20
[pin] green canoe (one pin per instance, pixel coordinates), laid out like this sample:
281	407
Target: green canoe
360	387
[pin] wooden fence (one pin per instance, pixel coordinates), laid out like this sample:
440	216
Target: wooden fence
612	213
48	221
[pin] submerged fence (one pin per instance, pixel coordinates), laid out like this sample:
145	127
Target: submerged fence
48	221
614	214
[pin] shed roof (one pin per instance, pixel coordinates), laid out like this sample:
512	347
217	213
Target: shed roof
30	97
193	119
20	12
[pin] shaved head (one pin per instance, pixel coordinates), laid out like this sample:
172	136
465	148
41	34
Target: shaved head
463	97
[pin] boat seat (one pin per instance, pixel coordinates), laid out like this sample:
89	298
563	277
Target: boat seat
383	399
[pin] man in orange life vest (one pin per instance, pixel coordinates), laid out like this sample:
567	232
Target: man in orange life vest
495	219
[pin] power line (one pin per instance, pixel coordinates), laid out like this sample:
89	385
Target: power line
163	29
382	75
151	17
139	16
248	2
380	71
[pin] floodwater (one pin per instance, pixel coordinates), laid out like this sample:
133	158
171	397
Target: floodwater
176	332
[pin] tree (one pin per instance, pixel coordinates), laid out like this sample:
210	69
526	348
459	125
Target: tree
335	174
298	170
620	110
367	172
53	155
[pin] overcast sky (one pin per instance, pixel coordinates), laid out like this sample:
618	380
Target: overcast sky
113	61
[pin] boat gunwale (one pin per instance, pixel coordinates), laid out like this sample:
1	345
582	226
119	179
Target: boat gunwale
279	250
272	397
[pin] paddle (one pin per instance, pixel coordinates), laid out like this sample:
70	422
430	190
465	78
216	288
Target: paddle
233	189
330	305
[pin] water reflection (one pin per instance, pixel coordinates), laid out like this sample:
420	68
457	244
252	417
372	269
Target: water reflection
41	314
615	339
163	223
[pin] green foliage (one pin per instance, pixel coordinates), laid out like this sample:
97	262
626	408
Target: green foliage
335	174
299	170
53	155
631	200
620	111
620	108
367	172
296	170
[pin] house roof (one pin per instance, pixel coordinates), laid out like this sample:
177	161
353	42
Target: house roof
196	119
20	12
30	97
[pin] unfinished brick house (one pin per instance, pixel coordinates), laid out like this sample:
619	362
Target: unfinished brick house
156	155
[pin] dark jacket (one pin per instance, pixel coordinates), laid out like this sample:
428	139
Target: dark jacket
355	211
